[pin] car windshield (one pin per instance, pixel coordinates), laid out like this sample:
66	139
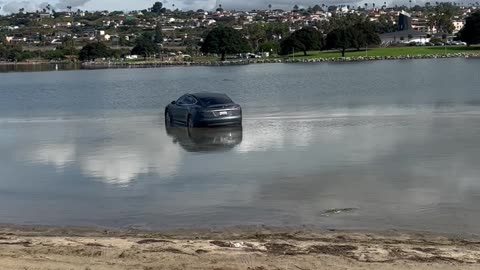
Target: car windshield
215	100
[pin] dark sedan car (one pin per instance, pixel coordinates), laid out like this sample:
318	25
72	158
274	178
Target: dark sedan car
203	109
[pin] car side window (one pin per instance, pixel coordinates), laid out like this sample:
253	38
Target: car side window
182	100
190	100
186	100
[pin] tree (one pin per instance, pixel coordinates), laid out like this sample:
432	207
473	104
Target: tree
145	46
255	32
316	8
351	37
68	46
3	39
309	38
365	34
276	31
295	8
158	38
470	33
157	7
93	51
269	46
441	17
384	24
123	41
224	40
332	9
351	31
290	44
341	38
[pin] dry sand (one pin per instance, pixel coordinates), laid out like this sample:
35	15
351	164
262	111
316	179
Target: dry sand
255	248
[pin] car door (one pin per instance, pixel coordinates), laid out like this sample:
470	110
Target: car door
184	108
176	109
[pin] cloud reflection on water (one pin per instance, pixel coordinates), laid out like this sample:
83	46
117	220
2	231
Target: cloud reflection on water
58	155
119	151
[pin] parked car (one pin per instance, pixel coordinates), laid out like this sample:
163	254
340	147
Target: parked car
203	109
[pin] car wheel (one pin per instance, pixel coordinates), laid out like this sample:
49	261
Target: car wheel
190	123
168	119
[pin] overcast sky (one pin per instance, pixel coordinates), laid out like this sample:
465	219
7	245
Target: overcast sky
32	5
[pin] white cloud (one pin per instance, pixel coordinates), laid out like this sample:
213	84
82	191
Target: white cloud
63	4
15	6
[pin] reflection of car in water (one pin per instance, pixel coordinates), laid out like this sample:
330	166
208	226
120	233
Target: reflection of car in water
203	109
206	139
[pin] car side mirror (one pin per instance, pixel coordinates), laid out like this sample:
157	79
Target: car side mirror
174	102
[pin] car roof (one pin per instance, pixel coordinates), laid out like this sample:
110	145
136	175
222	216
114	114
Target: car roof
208	95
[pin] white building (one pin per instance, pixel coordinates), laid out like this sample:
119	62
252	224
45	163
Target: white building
458	26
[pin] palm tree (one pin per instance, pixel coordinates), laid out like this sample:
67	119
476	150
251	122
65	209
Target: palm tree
366	5
270	7
373	5
410	1
21	10
69	9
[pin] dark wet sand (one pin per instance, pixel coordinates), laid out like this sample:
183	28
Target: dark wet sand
259	248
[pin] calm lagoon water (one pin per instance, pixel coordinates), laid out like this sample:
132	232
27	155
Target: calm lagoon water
396	141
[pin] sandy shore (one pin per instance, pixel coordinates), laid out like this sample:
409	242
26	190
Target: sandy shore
256	248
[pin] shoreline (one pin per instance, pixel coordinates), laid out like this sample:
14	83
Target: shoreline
158	64
120	65
249	247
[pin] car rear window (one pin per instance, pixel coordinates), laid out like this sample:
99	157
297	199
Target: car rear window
208	101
